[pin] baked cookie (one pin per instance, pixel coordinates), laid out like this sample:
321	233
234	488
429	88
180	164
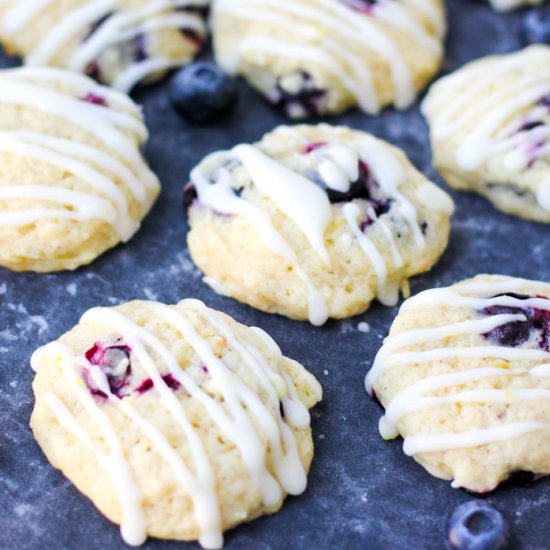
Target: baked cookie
117	42
176	421
313	57
490	130
464	376
73	181
314	222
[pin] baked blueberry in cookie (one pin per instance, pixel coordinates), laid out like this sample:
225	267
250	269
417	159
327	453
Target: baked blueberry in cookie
73	182
314	222
176	421
490	130
463	377
317	57
121	42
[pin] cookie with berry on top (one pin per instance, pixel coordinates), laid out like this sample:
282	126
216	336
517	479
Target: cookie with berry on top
176	421
317	57
314	222
464	377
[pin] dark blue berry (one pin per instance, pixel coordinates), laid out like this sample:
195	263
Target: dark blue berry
362	6
477	525
202	92
364	187
536	326
536	27
299	101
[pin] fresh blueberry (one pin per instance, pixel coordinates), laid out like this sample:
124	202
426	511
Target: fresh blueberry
536	27
202	92
477	525
516	333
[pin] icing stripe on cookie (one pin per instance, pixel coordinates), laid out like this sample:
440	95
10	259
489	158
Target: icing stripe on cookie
239	413
431	340
120	132
304	20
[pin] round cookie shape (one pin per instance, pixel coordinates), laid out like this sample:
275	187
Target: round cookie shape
73	181
464	376
314	222
176	421
490	130
316	57
117	42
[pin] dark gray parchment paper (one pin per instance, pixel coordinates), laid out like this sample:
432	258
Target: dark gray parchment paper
363	492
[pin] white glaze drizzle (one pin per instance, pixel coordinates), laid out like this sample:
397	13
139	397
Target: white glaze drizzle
95	167
308	206
417	397
239	417
340	21
498	117
125	24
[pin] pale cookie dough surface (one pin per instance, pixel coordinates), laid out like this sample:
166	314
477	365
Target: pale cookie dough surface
73	181
464	376
490	130
117	42
313	57
176	421
314	222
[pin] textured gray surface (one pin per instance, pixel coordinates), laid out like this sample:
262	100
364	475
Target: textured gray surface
363	492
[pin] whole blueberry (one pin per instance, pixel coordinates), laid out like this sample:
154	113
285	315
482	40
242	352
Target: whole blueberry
202	92
477	525
536	27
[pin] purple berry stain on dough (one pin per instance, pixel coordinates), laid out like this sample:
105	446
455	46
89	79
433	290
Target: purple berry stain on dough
193	36
362	6
95	99
114	361
516	333
148	383
302	100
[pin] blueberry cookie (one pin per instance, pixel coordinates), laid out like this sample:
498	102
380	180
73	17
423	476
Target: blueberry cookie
313	57
314	222
73	182
464	376
176	421
490	130
117	42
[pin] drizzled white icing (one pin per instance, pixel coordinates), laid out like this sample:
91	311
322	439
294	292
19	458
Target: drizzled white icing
240	415
419	397
117	129
493	123
123	24
323	24
308	206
